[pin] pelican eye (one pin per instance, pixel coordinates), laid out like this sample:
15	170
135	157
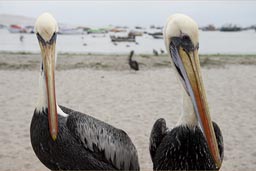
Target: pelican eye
187	44
185	38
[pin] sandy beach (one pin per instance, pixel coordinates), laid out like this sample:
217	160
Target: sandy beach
104	87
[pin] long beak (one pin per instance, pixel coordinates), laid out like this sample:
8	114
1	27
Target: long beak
48	55
188	66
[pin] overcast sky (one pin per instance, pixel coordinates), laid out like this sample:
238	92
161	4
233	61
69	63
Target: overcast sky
131	13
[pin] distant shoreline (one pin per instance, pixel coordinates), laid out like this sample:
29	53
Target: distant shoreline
123	54
66	61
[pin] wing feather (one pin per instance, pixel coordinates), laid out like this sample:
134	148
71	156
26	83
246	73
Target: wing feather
157	134
106	142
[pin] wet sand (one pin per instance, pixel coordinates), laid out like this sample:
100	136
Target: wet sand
104	87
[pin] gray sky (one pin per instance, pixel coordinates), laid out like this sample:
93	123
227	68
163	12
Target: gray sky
131	13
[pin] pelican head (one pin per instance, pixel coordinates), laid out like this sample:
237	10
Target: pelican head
182	44
46	31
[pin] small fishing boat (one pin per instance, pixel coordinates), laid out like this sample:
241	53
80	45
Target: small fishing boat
123	39
16	29
156	35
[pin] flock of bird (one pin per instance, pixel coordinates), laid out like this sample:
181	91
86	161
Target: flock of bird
65	139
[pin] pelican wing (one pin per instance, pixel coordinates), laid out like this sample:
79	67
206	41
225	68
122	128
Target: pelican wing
219	138
107	143
158	132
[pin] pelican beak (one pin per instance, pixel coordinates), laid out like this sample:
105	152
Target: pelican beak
186	61
48	55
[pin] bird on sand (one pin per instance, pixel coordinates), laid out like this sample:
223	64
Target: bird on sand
65	139
133	63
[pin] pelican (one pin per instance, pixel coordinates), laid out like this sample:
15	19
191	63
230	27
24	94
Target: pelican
195	143
133	64
64	139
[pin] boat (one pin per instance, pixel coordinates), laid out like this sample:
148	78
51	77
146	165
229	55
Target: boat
123	39
2	26
135	33
97	31
230	27
209	27
16	29
70	31
156	35
29	29
117	30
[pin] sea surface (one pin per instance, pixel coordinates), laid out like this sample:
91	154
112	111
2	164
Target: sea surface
214	42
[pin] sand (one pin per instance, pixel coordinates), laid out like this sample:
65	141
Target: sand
104	87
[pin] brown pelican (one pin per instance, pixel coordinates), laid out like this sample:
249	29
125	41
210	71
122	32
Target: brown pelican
195	143
64	139
133	64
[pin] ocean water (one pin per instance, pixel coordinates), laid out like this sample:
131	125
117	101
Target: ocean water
243	42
